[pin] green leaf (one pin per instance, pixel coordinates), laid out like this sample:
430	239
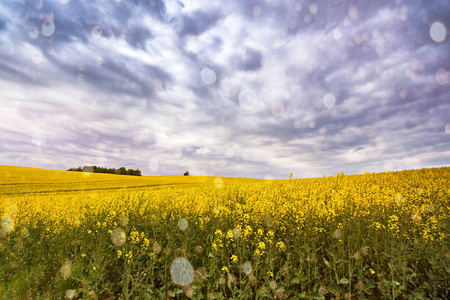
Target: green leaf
296	280
327	263
343	281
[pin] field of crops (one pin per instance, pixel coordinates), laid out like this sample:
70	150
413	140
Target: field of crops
99	236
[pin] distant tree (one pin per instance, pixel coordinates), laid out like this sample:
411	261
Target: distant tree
89	169
291	175
95	169
186	174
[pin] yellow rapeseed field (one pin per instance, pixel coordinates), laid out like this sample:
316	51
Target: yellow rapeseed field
99	236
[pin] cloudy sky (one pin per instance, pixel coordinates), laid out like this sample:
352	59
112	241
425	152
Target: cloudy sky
257	88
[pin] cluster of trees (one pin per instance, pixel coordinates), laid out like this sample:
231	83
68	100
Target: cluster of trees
95	169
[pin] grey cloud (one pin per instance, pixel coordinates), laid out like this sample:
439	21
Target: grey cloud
137	36
251	61
2	24
390	110
198	22
9	73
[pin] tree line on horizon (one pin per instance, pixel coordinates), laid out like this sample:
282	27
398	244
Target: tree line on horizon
95	169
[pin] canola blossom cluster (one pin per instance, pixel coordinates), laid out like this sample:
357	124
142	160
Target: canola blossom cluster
74	235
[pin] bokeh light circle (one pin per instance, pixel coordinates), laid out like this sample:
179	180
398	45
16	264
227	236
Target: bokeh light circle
329	100
64	1
153	165
48	28
247	267
96	32
7	224
442	76
438	32
183	224
218	182
70	294
247	99
118	236
208	76
236	233
66	269
181	271
447	128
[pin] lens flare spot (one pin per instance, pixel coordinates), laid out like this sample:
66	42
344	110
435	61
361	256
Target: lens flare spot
38	139
313	8
48	28
69	293
218	182
247	99
337	34
398	199
96	32
143	102
438	32
153	164
442	76
36	56
118	236
66	270
123	221
33	34
247	267
7	224
208	76
256	10
194	44
329	100
181	271
447	128
39	4
353	13
99	61
298	7
235	233
183	224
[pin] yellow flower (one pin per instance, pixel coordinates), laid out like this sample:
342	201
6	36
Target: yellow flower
83	255
262	245
225	269
119	253
234	258
371	271
270	274
89	231
280	245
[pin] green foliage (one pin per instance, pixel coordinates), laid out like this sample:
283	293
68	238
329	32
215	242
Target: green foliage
95	169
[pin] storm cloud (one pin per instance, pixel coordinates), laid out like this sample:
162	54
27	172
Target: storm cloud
257	88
